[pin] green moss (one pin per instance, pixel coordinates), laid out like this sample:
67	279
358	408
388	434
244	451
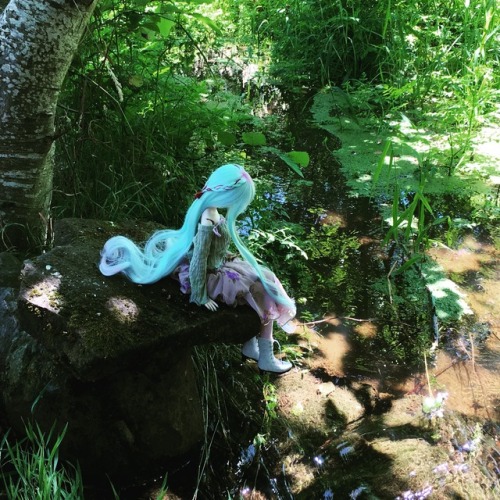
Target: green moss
34	292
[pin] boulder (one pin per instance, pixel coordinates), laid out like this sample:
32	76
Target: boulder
109	357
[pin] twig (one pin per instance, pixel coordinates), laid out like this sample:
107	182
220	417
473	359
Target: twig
427	375
358	319
324	320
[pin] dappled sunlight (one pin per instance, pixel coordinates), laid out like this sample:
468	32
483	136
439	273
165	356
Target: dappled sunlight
45	294
366	330
474	265
449	300
469	256
472	387
332	346
455	261
123	309
332	218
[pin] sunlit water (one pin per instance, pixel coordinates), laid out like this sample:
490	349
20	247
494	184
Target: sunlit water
466	362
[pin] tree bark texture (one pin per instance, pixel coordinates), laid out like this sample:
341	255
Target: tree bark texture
38	39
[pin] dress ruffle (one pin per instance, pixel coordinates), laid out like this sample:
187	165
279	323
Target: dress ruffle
236	283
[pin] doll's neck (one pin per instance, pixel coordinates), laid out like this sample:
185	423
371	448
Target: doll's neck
210	217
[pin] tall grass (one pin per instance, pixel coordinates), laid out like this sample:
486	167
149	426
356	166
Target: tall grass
30	468
441	54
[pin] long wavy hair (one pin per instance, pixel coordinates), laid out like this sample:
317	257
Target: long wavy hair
229	187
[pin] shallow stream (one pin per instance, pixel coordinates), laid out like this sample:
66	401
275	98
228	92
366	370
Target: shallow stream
348	421
356	426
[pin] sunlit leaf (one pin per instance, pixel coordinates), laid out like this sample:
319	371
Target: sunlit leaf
293	165
286	158
136	81
301	158
165	26
254	138
381	161
207	22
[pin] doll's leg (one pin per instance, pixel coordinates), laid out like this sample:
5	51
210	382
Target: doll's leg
267	362
261	350
250	349
266	330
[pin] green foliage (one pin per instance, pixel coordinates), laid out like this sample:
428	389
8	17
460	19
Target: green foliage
138	122
315	265
406	331
315	41
270	403
447	299
31	467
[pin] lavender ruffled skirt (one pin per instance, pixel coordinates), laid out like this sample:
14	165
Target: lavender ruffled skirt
236	283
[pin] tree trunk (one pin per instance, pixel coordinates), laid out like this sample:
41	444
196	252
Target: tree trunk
38	39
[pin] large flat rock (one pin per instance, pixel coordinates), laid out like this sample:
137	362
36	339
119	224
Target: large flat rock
97	325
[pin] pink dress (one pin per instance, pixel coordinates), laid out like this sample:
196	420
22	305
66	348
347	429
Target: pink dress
211	272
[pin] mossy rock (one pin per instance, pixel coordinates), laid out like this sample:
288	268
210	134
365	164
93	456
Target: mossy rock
96	325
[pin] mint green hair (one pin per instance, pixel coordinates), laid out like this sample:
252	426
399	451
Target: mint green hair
229	187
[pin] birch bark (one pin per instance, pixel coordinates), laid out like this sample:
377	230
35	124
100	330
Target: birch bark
38	39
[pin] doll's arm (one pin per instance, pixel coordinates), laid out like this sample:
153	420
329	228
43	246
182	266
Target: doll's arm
198	265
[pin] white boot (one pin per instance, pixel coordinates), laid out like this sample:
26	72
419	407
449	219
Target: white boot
250	349
267	361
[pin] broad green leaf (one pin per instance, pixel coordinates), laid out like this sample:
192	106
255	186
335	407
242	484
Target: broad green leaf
291	163
381	161
416	258
301	158
165	25
226	138
426	204
207	22
254	138
151	26
286	158
169	9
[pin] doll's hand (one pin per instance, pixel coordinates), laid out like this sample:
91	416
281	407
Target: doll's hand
211	305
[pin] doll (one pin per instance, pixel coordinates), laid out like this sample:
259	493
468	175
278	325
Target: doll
197	256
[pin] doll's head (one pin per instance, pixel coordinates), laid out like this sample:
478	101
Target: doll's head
230	186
